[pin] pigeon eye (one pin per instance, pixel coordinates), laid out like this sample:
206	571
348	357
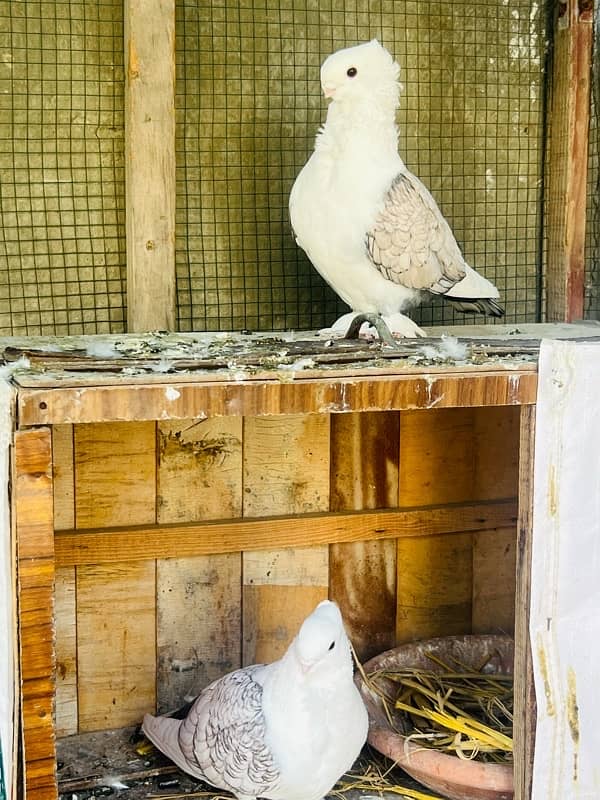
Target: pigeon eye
351	73
331	646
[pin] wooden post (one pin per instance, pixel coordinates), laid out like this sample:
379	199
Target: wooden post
568	157
33	509
150	163
524	695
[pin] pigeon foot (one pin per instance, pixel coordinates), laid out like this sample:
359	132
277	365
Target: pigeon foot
373	326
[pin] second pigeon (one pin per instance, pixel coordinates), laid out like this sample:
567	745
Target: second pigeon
284	731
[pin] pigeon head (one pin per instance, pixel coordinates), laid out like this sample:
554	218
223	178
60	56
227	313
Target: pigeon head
321	643
366	72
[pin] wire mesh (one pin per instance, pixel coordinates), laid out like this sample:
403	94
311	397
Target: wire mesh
248	107
62	190
592	250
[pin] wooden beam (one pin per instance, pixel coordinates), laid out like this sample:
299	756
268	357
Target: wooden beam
365	453
150	163
107	545
33	509
524	695
255	398
568	160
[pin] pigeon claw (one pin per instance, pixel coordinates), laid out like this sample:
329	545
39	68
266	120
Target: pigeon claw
377	322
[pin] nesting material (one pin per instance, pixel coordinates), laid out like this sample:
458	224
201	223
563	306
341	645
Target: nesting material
462	710
407	733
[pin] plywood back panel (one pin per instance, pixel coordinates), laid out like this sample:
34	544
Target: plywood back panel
198	624
494	581
63	477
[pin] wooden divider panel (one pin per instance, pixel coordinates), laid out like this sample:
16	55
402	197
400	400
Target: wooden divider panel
286	471
362	575
198	598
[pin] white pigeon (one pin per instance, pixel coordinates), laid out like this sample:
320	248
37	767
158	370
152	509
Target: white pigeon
369	226
285	731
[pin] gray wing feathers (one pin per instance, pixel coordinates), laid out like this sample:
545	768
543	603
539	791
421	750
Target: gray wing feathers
411	243
224	735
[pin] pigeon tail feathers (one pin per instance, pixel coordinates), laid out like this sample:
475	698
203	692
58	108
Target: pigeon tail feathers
481	305
163	732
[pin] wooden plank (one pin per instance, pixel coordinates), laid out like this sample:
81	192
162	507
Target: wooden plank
434	574
150	162
286	464
434	585
281	588
198	598
198	624
286	470
101	546
33	509
253	397
524	697
568	160
362	575
437	456
199	469
64	477
115	474
496	453
116	643
494	557
496	475
66	714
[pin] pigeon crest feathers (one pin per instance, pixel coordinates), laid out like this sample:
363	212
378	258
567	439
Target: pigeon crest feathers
364	73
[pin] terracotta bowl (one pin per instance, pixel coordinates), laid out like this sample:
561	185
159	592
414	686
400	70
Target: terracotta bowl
446	774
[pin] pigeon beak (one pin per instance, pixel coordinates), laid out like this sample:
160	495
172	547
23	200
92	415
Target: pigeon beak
305	666
329	89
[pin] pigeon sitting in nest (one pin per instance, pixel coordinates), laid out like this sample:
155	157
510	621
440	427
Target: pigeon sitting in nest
284	731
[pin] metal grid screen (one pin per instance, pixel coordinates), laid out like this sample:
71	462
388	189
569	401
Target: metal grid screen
248	108
62	190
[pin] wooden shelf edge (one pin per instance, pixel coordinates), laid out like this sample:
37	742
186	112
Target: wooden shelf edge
97	546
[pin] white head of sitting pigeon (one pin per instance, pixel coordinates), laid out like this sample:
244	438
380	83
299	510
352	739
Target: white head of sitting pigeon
369	226
285	731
